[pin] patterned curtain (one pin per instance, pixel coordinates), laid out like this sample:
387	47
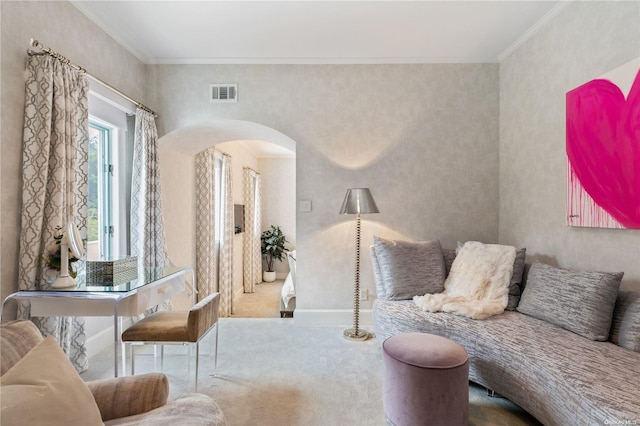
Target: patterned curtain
206	255
252	253
225	286
147	226
54	188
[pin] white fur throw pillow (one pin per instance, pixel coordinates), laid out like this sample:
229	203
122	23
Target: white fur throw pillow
478	284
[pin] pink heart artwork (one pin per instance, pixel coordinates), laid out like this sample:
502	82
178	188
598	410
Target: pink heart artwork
603	146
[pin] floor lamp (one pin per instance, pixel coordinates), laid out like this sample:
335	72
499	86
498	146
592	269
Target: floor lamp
357	201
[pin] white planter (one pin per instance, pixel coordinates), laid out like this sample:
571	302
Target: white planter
269	277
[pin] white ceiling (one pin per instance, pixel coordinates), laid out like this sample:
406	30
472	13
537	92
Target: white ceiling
319	32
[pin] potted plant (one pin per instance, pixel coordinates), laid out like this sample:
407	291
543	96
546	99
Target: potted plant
273	248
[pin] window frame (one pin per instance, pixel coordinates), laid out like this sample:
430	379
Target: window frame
105	185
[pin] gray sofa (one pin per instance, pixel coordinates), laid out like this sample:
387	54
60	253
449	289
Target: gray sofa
558	376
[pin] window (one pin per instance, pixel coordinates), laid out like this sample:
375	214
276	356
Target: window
100	173
109	175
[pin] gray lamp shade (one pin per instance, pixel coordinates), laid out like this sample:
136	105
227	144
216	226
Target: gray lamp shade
358	200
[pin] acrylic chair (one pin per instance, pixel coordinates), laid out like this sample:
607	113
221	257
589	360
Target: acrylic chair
176	328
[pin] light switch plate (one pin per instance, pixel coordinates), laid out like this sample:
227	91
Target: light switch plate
305	206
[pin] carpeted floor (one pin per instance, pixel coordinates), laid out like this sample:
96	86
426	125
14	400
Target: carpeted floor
264	303
274	372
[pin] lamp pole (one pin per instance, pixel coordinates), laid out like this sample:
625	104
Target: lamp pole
355	333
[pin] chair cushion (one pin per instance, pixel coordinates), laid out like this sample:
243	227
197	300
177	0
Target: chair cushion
176	326
164	326
43	388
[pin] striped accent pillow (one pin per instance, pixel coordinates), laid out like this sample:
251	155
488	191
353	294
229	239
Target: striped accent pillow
579	301
515	285
408	269
625	327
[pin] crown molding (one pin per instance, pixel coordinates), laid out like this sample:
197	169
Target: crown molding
534	29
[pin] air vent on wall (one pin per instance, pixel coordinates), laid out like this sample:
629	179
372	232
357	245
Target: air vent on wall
224	92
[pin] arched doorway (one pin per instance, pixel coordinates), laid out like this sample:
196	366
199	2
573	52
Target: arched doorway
178	150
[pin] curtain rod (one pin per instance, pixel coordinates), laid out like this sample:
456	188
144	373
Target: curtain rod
45	50
249	168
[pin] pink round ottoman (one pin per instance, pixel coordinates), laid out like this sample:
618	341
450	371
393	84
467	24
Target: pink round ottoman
425	380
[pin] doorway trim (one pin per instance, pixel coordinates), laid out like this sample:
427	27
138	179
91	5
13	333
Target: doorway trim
177	150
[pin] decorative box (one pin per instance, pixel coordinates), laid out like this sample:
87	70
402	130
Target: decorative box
112	271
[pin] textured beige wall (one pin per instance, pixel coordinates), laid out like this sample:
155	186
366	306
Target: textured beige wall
62	27
585	41
241	157
424	138
279	201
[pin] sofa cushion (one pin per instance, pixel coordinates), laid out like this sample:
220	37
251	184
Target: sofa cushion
579	301
43	388
625	325
409	269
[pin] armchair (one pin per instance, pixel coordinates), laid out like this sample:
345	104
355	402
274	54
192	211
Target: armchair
130	400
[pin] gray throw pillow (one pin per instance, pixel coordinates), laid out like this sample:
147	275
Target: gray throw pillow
515	284
449	256
409	269
381	289
516	280
625	326
579	301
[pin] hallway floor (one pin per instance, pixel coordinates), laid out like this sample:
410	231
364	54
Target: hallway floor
264	303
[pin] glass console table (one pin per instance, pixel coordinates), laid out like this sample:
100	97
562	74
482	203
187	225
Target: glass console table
152	287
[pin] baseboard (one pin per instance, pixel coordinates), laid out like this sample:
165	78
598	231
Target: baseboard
342	317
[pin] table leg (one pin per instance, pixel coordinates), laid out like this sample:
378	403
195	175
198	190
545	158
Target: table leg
123	350
116	341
